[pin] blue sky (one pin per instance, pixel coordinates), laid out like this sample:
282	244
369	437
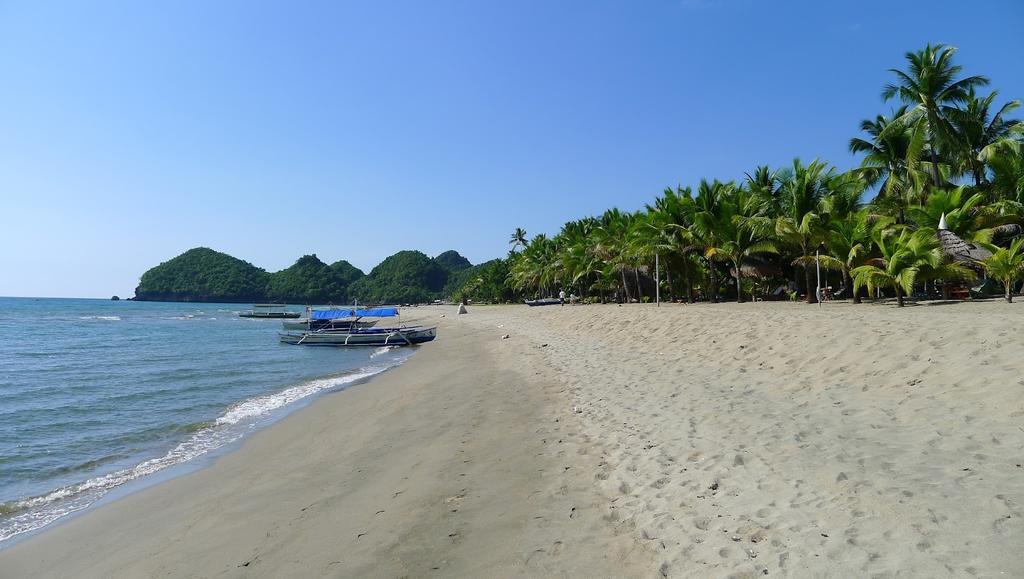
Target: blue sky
131	132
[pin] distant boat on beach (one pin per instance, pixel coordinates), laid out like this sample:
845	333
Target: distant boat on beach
543	302
269	311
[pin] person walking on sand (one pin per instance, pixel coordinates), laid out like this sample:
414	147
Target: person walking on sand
561	297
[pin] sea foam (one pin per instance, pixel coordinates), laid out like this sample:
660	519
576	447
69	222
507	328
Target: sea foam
32	513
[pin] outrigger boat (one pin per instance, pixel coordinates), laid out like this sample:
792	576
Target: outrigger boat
312	321
544	302
356	336
269	311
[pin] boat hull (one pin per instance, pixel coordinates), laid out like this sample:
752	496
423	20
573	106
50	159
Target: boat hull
543	302
304	325
363	337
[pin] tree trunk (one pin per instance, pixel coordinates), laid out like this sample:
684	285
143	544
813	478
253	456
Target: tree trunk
639	292
899	296
713	282
1009	291
739	283
849	283
935	166
671	290
689	289
625	286
811	298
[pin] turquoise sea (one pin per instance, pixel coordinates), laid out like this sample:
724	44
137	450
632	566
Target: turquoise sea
95	394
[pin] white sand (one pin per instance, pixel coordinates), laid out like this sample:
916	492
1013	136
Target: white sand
845	441
712	441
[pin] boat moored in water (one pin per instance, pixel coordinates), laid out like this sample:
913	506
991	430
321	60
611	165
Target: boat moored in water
354	335
269	311
327	320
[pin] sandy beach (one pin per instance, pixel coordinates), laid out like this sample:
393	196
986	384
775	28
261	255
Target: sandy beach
719	440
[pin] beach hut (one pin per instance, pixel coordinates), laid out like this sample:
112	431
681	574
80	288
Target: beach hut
958	250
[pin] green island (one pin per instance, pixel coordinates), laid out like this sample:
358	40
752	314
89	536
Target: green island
205	275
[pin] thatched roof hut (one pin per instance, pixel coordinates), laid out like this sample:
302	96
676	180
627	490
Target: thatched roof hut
959	250
756	268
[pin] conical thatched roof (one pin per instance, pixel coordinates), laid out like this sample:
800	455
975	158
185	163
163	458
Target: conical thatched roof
957	249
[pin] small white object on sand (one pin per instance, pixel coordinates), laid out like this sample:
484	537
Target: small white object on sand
505	337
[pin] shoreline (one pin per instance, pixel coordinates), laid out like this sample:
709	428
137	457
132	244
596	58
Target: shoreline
682	441
201	460
363	482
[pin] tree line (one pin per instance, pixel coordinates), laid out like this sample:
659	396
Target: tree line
948	152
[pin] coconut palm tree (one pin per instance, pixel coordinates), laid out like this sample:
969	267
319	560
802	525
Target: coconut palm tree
928	87
610	241
978	134
1007	265
849	244
800	226
518	238
535	267
707	217
766	184
1008	175
887	155
743	230
674	211
906	254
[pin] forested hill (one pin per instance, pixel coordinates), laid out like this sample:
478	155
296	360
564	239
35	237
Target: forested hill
205	275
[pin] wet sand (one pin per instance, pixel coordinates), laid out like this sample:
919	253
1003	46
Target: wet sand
456	464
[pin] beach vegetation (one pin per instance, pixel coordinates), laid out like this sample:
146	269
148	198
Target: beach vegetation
945	153
1007	266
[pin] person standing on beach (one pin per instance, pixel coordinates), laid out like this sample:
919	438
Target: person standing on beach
561	297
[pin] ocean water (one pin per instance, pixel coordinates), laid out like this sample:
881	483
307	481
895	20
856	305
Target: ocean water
95	394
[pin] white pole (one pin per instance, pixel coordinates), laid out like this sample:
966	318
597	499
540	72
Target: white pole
657	280
817	292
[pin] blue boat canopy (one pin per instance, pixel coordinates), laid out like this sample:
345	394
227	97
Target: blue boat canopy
350	313
377	313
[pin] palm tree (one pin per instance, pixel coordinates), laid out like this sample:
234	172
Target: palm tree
518	238
535	267
979	134
743	230
928	87
707	218
766	184
800	226
906	255
964	216
674	211
582	267
1008	175
611	244
1007	265
849	245
887	155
